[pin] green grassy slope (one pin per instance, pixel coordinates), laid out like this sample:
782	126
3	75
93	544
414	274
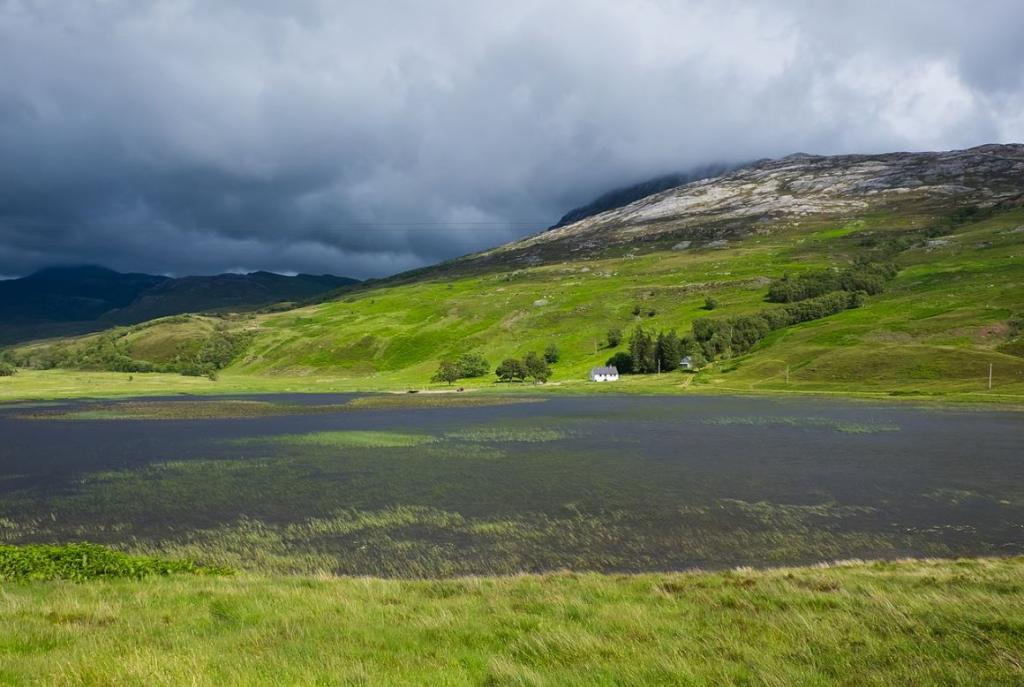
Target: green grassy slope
935	330
912	622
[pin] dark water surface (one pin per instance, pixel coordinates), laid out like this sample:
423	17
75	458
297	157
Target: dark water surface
599	483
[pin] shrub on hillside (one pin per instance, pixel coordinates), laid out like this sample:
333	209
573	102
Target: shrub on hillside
736	335
621	361
614	337
551	353
7	369
472	365
869	277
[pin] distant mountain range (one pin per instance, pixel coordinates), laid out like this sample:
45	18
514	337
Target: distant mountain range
78	299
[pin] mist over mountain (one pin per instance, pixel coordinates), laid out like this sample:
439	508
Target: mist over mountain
366	139
625	195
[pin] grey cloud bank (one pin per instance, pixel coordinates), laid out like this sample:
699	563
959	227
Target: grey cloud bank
187	137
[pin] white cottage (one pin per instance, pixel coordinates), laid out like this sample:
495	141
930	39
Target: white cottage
604	374
686	363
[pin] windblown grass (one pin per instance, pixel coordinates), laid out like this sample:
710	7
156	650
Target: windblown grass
912	622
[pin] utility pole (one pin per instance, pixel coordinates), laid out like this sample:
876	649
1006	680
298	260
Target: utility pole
659	365
990	376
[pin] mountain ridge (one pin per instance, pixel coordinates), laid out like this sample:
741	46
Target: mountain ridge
74	299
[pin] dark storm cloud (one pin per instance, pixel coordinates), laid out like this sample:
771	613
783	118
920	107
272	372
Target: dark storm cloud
194	137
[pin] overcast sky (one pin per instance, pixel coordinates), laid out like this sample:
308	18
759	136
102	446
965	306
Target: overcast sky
193	137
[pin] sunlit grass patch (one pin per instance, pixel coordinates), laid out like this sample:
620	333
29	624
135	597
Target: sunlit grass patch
844	426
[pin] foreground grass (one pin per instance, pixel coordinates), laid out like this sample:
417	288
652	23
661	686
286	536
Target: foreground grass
81	562
911	622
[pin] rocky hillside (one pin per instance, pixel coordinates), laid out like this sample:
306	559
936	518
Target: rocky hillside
765	195
619	197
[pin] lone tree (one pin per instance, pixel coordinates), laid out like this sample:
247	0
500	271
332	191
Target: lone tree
551	353
614	337
7	369
447	371
511	368
537	367
710	303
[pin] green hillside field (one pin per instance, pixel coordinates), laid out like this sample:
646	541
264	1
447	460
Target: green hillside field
933	333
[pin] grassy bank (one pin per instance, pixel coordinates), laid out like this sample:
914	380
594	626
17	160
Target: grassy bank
911	622
42	385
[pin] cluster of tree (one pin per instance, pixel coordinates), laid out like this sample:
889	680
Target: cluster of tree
649	352
466	365
7	369
531	365
109	352
869	277
715	338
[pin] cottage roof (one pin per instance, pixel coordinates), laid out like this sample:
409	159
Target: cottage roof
610	370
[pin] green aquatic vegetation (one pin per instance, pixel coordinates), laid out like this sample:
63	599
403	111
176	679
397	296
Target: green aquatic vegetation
844	426
348	439
643	486
414	541
82	561
452	400
507	434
